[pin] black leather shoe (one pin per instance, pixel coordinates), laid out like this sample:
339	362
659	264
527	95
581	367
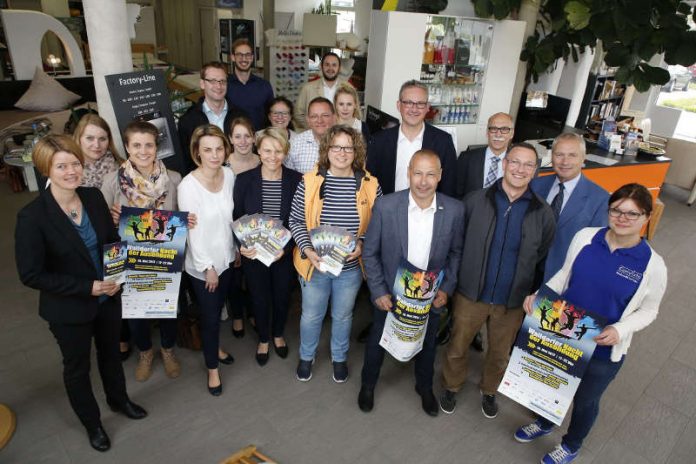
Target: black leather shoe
130	410
215	391
125	354
99	439
261	358
366	399
428	402
281	351
237	333
227	360
364	334
477	342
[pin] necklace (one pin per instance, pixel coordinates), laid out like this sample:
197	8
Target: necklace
73	214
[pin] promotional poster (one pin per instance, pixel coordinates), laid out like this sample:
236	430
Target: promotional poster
156	246
114	258
550	355
332	244
404	329
264	233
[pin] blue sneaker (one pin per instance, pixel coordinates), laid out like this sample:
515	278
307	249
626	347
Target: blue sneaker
530	432
560	455
304	370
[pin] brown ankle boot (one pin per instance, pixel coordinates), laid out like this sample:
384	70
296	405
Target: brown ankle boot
171	365
144	368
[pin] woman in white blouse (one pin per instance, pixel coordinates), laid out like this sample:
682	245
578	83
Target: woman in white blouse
207	191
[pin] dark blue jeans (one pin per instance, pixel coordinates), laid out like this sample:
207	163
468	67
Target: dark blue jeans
598	376
211	306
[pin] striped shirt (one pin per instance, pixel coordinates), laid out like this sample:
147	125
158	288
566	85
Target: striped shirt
339	209
270	197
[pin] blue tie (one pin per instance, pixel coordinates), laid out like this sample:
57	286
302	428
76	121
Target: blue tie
557	202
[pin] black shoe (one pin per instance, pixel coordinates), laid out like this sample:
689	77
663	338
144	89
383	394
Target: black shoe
130	410
237	333
125	354
340	371
99	439
364	334
281	351
428	402
261	358
366	399
477	342
227	360
489	406
304	370
448	402
215	391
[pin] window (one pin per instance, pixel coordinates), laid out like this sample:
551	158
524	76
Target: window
345	12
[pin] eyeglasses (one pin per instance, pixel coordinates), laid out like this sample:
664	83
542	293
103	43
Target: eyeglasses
244	55
280	114
410	104
502	130
338	148
517	164
630	215
216	81
314	117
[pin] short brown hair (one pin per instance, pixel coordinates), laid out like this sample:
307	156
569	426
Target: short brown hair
348	89
209	130
239	42
413	84
274	134
95	120
318	100
358	147
140	127
240	121
48	146
636	192
213	64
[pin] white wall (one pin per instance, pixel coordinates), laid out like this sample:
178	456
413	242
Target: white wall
459	8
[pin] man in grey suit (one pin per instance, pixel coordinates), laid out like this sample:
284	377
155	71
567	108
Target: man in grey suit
425	228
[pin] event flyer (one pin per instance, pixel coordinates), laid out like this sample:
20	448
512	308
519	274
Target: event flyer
550	355
156	245
114	258
332	244
264	233
405	326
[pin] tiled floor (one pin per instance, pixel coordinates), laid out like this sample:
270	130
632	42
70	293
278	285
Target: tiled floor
648	415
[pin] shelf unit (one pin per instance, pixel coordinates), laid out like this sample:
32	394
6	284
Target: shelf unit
603	99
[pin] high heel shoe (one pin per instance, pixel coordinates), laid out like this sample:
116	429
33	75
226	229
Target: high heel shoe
281	351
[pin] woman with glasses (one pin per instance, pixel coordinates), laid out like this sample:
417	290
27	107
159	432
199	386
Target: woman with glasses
348	112
280	117
338	192
613	272
268	189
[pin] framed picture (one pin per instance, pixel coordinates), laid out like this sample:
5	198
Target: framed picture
230	4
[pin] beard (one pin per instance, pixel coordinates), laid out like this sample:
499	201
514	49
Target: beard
330	78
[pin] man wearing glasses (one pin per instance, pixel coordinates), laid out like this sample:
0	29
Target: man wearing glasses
479	167
212	108
248	91
576	201
324	87
390	150
304	150
508	230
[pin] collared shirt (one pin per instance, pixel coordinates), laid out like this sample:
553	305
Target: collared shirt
420	232
216	119
304	152
329	92
487	164
404	152
568	187
252	97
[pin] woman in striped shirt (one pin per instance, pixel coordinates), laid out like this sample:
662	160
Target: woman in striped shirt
268	189
338	192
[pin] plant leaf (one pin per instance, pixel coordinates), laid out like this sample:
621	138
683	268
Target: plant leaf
617	56
577	14
655	74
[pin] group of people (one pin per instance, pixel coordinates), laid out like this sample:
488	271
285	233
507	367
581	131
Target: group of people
498	232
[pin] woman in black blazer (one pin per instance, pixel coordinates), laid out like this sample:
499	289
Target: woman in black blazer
268	189
58	249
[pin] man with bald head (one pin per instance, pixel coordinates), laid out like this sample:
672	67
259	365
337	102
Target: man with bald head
424	227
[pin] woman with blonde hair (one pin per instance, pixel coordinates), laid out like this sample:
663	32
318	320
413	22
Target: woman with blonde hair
348	112
93	135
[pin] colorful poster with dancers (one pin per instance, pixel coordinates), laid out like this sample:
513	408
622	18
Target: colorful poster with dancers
333	245
550	355
264	233
114	258
156	246
405	326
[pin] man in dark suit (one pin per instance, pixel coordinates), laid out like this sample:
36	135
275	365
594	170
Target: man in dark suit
577	202
424	228
480	167
390	150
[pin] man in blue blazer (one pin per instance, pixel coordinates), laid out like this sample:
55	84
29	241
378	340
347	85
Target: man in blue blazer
582	203
390	150
424	228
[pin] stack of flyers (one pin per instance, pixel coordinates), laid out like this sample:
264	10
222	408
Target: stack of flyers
114	257
264	233
332	244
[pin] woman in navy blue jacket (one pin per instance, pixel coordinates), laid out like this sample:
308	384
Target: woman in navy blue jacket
268	189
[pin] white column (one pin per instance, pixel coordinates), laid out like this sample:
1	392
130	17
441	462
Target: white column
109	46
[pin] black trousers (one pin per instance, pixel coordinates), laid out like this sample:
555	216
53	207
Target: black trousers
424	360
269	291
237	297
211	306
75	342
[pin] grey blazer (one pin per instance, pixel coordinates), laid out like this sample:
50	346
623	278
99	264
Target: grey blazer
386	241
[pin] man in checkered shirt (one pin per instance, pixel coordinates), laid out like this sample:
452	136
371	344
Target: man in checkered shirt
304	150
